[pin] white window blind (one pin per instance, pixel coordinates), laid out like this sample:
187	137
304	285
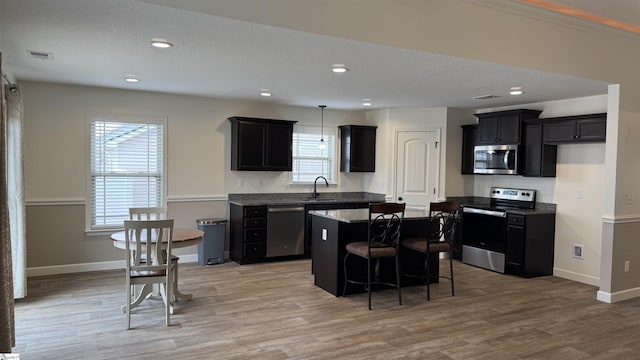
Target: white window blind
309	161
126	168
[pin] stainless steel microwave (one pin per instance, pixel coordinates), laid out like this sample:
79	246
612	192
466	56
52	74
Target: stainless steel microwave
495	159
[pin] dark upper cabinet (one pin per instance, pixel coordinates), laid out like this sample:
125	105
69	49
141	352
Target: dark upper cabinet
357	148
538	159
261	144
502	127
579	128
469	140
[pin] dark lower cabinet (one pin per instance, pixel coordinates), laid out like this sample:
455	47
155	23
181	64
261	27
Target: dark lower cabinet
248	231
530	244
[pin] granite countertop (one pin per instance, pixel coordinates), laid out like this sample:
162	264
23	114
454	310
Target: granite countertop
284	199
362	215
301	199
484	203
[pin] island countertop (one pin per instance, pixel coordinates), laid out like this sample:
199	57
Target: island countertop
362	215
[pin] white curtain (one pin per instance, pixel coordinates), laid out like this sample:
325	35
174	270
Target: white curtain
15	184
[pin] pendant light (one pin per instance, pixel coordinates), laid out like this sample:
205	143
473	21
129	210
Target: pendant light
322	145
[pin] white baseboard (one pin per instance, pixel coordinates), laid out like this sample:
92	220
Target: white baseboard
96	266
574	276
618	296
592	280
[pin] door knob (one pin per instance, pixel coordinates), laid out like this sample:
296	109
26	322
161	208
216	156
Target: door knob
399	198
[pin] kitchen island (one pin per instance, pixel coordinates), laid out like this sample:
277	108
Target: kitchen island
333	229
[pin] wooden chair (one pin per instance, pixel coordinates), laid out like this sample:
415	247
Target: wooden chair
148	213
146	262
384	226
439	238
156	213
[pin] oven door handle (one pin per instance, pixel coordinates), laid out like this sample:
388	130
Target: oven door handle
484	212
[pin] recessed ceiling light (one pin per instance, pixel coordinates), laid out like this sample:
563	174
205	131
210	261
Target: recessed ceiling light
265	92
161	43
339	68
516	90
131	79
367	102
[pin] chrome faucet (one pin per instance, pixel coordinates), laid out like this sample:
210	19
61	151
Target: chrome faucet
315	182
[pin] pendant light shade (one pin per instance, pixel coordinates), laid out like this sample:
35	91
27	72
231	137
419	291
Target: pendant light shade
322	145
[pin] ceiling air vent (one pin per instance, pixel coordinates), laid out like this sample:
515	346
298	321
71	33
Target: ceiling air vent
485	97
40	55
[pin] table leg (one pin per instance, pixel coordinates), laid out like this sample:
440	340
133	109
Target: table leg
144	293
176	293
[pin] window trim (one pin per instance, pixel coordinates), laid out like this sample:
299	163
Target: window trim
327	132
140	119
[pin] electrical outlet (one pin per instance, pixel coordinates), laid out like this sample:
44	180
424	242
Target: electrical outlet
240	183
578	193
628	199
626	266
578	251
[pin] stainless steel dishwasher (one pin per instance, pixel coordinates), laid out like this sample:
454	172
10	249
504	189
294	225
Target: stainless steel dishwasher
285	231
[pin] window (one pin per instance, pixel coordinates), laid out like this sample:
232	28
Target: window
126	169
309	161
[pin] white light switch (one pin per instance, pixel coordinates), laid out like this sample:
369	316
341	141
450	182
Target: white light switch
324	234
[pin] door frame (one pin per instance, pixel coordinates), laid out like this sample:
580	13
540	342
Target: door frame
438	131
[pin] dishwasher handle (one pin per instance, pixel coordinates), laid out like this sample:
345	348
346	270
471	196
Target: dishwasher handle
285	209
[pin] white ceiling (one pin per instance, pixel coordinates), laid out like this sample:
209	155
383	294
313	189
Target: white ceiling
98	43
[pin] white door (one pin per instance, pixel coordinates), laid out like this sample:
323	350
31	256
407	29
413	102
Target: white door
417	164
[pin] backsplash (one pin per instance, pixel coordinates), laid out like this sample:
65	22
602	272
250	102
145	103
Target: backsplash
544	186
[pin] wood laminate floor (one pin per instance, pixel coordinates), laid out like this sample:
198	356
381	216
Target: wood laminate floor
273	311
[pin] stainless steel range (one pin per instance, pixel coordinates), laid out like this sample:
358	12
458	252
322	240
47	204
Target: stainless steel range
484	227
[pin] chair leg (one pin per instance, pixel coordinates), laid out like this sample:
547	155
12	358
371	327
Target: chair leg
127	305
169	296
398	276
369	279
453	293
344	267
427	270
175	280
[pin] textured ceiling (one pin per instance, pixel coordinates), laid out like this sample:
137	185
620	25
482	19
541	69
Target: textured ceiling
98	43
